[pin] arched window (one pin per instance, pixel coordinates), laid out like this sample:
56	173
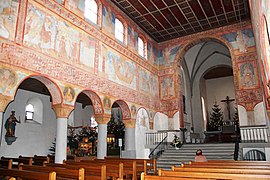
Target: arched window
141	48
119	30
91	10
29	112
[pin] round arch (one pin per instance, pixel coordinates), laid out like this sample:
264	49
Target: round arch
125	109
96	101
52	87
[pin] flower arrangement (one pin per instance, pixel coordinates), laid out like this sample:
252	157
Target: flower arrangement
176	142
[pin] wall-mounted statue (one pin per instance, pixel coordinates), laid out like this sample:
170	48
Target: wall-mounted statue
10	128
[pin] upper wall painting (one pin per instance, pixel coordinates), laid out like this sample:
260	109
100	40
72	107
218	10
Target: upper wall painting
87	51
108	20
241	40
76	6
8	18
151	55
132	39
168	55
118	69
148	82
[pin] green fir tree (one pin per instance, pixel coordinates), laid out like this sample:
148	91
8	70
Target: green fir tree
216	118
236	119
52	148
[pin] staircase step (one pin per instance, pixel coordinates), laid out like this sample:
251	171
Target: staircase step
186	153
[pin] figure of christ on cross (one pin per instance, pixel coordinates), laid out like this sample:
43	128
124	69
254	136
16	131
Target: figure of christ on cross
227	101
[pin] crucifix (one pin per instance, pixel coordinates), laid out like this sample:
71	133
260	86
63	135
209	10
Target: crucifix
227	101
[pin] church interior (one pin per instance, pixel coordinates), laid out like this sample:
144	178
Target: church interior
90	80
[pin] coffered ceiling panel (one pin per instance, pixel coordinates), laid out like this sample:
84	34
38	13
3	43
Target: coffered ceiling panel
168	19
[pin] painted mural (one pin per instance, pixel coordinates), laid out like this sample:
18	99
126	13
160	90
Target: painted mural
8	18
241	40
133	111
108	20
132	38
9	80
69	94
169	55
167	87
248	77
107	105
118	69
76	6
87	51
151	55
148	82
51	36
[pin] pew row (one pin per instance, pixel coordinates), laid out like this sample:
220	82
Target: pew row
213	175
27	174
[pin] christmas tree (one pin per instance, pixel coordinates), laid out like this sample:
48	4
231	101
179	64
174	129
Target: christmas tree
216	118
52	148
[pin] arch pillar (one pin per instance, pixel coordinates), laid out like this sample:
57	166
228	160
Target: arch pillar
62	112
4	101
129	138
102	121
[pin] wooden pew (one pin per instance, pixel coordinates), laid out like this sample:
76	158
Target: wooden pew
234	163
60	172
213	175
27	174
37	160
221	170
144	165
91	172
130	167
155	177
226	166
28	161
113	170
6	163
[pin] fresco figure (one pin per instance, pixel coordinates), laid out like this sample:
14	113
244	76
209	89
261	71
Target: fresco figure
4	10
167	87
107	105
8	80
242	41
69	94
247	75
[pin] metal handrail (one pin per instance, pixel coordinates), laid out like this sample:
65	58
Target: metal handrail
151	155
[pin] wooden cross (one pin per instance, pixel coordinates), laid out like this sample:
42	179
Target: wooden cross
227	101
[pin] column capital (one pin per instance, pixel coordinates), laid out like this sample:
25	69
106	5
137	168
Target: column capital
4	101
103	118
62	110
129	123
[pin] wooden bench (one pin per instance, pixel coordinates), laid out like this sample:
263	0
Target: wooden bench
6	163
27	174
155	177
113	170
28	161
91	172
234	163
213	175
37	160
221	170
60	172
226	166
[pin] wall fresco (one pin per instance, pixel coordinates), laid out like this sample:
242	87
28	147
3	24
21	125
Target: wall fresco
87	50
151	55
119	69
76	6
241	40
169	55
8	18
248	76
167	87
132	39
49	35
108	20
148	82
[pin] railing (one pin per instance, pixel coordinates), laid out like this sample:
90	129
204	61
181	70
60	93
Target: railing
158	150
236	148
155	138
254	134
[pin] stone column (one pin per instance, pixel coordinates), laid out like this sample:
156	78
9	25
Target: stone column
62	112
129	134
102	135
4	101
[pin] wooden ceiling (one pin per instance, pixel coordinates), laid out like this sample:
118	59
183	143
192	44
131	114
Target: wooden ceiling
168	19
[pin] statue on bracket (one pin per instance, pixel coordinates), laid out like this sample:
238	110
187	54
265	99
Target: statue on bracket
10	128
